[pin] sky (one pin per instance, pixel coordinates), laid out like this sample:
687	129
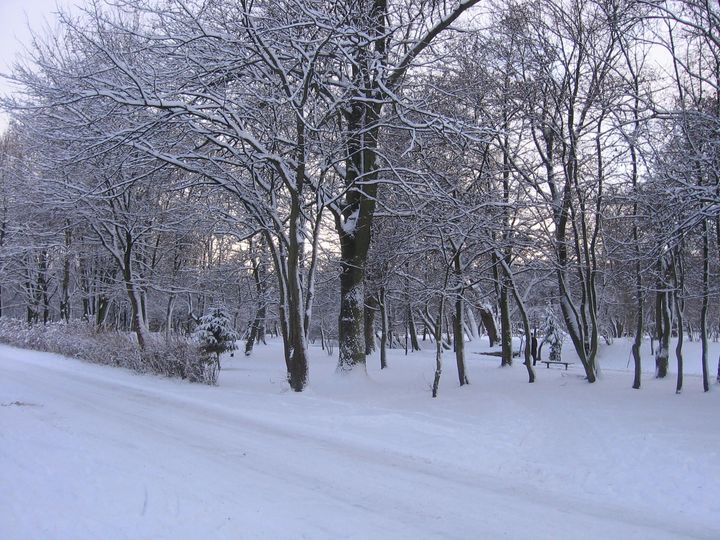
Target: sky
16	19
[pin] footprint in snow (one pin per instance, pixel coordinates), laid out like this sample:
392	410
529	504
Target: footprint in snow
19	404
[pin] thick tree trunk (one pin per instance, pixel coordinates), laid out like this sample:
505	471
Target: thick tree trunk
298	372
354	226
351	331
488	322
137	324
137	321
664	329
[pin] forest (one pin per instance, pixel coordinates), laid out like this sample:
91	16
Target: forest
369	175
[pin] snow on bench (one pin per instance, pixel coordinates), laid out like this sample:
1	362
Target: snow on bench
548	362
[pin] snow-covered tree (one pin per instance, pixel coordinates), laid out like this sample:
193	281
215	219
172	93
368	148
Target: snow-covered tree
553	336
216	334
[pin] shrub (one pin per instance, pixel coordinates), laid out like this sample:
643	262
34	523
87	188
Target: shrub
173	357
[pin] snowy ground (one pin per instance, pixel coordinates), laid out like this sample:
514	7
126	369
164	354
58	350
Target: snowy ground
91	452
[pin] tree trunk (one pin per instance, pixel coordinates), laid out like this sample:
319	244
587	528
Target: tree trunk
458	322
85	288
638	329
371	307
438	348
101	311
472	324
678	292
704	308
169	315
354	226
42	285
374	79
664	330
298	372
257	328
505	328
412	328
506	271
383	329
717	240
488	322
137	321
679	346
351	331
65	283
528	336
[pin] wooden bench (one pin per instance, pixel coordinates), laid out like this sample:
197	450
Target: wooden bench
548	362
516	354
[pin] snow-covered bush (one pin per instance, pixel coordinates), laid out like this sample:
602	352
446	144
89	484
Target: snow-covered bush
215	334
174	357
178	357
553	336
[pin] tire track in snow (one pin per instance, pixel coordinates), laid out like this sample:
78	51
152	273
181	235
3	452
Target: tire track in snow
397	490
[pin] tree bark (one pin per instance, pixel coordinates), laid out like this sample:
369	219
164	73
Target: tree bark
458	321
383	329
257	328
371	308
664	329
704	308
65	283
528	361
717	240
488	322
438	348
679	283
505	328
637	342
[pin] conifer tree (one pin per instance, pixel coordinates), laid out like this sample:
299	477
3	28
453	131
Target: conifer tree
215	333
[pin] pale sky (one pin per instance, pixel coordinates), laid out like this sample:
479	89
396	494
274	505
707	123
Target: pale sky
15	16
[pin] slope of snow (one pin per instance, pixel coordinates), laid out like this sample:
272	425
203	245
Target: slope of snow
95	452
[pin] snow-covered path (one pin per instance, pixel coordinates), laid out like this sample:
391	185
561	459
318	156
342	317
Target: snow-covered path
94	452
